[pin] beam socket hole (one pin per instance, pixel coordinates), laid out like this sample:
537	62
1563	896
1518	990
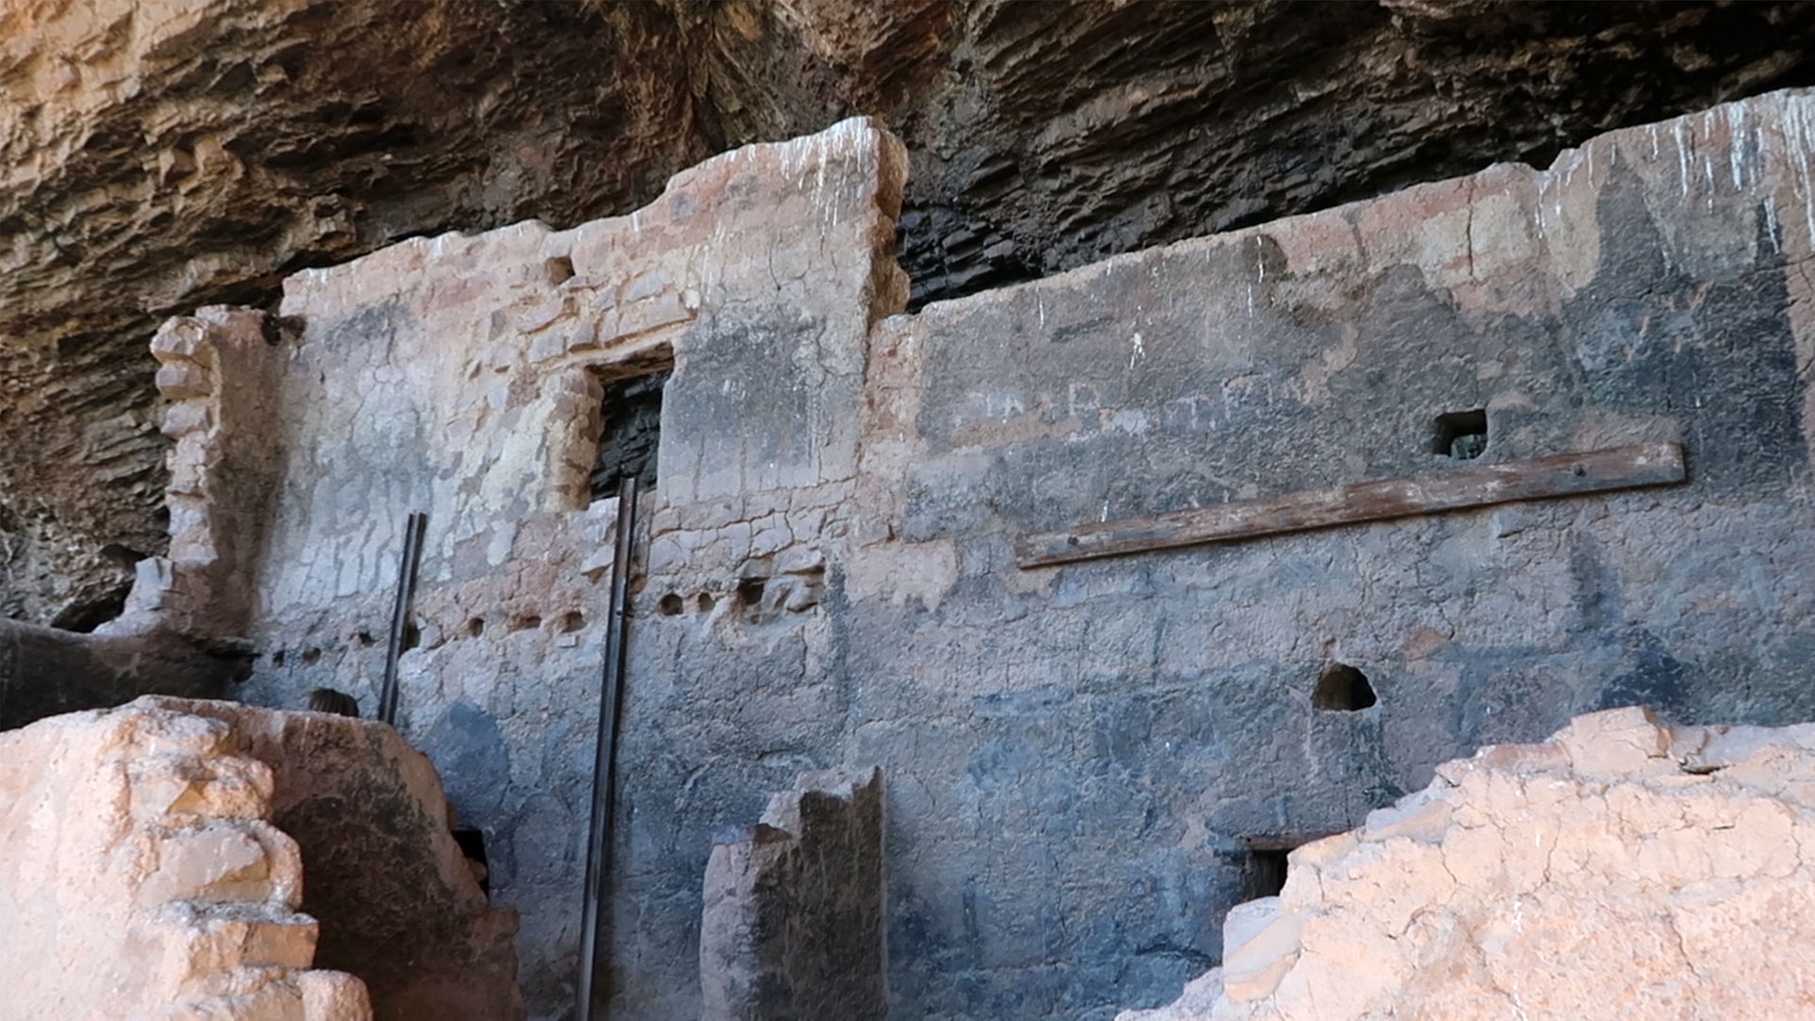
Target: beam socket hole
1344	689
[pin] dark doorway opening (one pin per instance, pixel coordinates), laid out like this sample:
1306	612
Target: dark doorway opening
1265	872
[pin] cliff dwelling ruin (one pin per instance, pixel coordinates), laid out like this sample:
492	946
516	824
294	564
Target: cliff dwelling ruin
716	611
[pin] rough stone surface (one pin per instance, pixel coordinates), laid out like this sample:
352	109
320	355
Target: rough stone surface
166	154
793	922
141	877
45	671
1081	760
397	903
1624	868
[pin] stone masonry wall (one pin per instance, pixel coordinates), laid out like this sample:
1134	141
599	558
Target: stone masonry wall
1083	760
398	904
463	376
141	877
792	925
1623	868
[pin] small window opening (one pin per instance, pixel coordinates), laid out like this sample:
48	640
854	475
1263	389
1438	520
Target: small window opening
669	605
704	601
363	637
1265	873
311	655
571	621
525	622
1342	688
472	846
558	269
1461	434
750	591
475	626
630	430
412	636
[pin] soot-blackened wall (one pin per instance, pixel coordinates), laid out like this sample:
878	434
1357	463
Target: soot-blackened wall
1082	759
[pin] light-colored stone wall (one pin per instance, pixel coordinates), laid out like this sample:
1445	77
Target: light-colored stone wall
461	376
141	877
1623	869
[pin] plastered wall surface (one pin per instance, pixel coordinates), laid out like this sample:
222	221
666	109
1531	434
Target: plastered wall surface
1079	757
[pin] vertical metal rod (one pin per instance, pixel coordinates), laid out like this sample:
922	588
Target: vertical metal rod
598	847
413	528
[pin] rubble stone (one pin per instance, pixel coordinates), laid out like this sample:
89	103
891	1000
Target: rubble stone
397	900
141	877
1625	868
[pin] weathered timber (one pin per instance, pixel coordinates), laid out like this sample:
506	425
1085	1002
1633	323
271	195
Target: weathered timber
1594	471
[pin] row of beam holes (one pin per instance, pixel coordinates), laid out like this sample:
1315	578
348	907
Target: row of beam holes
674	604
567	623
313	653
749	593
571	621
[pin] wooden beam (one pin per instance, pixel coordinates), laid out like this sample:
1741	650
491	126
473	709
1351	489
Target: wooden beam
1595	471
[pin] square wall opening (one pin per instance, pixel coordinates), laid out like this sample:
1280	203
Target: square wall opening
1460	434
630	426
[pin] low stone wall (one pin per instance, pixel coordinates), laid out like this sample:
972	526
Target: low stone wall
1621	869
141	877
793	922
398	902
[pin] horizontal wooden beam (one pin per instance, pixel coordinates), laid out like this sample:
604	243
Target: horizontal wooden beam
1595	471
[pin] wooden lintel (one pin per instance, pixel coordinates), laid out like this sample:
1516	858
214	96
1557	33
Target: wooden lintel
1594	471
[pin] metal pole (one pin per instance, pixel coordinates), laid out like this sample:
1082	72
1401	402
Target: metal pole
413	528
598	847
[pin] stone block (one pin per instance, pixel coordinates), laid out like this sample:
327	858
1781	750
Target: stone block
792	924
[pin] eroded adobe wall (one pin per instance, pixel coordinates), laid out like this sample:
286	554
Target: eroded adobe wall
141	877
1080	758
1622	868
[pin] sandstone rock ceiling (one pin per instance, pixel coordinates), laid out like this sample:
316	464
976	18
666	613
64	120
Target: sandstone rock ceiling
162	154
